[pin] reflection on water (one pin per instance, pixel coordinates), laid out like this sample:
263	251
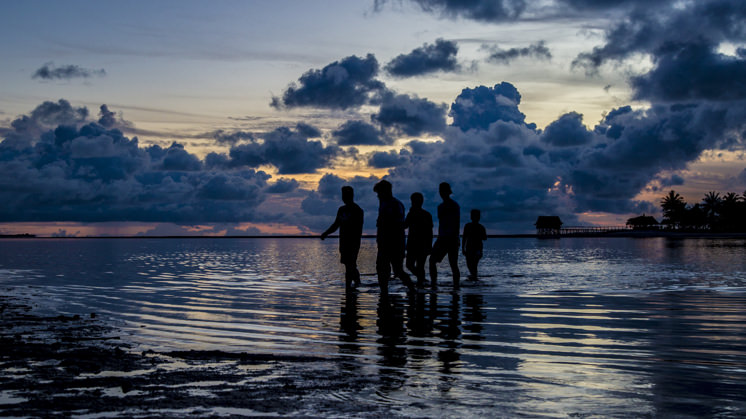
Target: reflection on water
554	327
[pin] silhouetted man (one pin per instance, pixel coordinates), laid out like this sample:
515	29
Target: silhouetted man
474	235
420	237
449	219
390	238
349	221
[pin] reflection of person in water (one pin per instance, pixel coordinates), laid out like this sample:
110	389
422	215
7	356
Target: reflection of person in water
390	237
474	235
349	221
420	237
449	215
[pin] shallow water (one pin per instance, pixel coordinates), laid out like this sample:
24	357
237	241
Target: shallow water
603	327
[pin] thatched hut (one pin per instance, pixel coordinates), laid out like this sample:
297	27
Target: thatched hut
643	222
548	225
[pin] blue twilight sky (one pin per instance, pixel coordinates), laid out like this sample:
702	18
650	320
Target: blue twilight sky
246	117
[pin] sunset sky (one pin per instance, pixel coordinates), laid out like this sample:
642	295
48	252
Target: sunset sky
246	117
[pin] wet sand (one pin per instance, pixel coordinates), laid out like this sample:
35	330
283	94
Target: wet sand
74	365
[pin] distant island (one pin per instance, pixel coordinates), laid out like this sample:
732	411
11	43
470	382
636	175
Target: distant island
17	236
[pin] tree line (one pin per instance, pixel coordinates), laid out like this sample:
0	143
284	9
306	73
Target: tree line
726	213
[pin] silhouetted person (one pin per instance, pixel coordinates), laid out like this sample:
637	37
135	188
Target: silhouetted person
390	237
420	237
474	235
449	216
349	221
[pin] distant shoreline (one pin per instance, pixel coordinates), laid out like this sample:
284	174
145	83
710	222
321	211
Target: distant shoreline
613	234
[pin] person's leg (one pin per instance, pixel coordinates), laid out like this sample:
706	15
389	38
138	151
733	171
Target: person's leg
453	261
435	257
396	263
420	266
472	265
352	276
383	269
412	263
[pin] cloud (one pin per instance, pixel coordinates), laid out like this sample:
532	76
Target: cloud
567	131
479	107
290	151
358	132
429	58
513	172
481	10
410	115
348	83
225	137
66	72
538	50
57	165
382	159
692	72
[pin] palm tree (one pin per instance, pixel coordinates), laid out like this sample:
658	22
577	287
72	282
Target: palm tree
673	206
711	204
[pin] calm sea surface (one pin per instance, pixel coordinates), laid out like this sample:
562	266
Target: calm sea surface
568	327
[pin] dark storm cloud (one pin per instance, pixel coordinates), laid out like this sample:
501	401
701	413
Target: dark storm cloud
343	84
505	56
56	165
656	30
410	115
429	58
290	151
358	132
690	72
66	72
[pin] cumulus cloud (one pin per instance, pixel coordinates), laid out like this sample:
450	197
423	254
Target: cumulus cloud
682	39
290	151
383	159
513	172
691	72
410	115
66	72
358	132
477	108
429	58
538	50
348	83
57	165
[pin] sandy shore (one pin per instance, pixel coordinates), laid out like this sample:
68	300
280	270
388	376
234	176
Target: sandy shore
77	366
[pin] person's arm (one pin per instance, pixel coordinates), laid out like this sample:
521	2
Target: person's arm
331	228
465	238
484	233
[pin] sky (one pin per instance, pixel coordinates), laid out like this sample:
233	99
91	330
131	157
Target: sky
247	117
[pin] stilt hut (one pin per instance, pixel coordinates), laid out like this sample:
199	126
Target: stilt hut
643	222
548	226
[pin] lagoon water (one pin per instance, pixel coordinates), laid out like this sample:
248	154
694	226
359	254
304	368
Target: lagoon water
569	327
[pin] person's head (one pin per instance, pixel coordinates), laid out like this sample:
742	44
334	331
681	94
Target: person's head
445	190
417	200
348	194
383	189
476	215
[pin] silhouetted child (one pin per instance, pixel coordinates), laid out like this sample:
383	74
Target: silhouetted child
474	235
420	237
349	221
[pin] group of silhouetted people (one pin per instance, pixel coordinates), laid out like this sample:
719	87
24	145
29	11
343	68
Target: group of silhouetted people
393	243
